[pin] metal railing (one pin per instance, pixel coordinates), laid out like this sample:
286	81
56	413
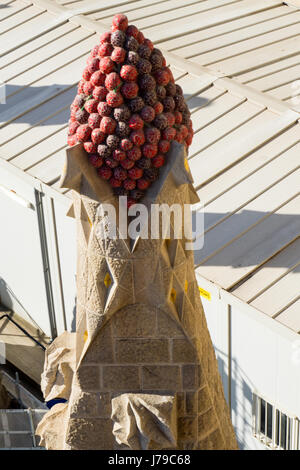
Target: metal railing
17	428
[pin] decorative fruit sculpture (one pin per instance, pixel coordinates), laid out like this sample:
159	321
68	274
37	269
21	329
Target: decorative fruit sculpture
128	110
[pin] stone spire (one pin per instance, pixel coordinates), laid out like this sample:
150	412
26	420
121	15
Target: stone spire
140	372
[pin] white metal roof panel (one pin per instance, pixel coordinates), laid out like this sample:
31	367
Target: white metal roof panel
260	49
255	42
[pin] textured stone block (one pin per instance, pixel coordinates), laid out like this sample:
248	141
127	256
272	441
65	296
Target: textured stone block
206	421
134	321
186	445
121	378
191	404
204	400
102	350
90	405
104	404
126	281
161	377
84	405
117	299
142	350
200	376
143	273
214	441
117	266
189	315
168	327
88	378
187	428
180	404
183	351
96	433
189	377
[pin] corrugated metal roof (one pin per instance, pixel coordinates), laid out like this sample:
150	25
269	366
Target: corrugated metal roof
253	41
236	61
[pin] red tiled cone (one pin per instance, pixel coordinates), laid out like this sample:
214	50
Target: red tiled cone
128	110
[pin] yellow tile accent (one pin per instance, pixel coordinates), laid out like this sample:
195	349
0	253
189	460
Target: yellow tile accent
107	280
85	336
173	295
186	165
204	293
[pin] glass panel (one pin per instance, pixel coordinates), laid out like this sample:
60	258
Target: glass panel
269	420
263	416
274	428
254	413
277	427
283	431
289	439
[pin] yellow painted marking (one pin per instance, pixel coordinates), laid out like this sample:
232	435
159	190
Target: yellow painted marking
173	295
186	165
107	280
204	293
186	285
85	336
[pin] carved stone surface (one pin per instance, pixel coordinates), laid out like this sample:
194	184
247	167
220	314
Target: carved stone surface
145	373
56	380
145	421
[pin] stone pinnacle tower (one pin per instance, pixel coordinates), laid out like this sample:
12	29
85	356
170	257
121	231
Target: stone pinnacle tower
140	372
